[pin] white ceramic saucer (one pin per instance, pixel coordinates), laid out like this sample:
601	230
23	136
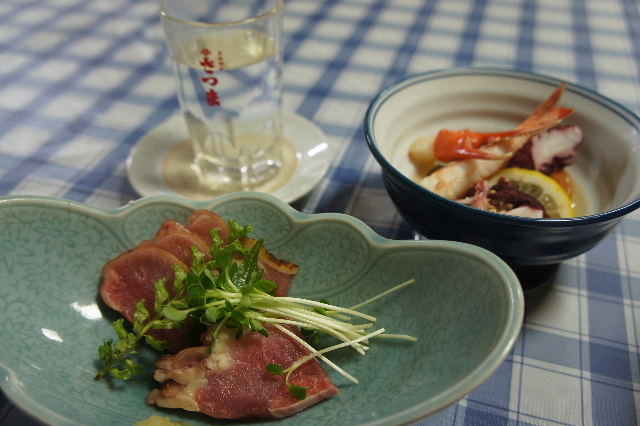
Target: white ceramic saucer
160	163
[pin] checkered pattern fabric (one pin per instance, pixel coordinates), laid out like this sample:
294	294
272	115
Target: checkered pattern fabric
82	81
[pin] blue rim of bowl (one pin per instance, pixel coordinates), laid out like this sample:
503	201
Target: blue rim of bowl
610	104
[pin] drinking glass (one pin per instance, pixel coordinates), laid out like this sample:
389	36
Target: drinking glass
227	56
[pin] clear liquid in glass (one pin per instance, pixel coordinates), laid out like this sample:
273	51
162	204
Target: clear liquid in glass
230	91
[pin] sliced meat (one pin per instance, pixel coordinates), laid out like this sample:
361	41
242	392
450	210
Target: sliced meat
277	270
233	383
178	240
201	222
171	226
130	278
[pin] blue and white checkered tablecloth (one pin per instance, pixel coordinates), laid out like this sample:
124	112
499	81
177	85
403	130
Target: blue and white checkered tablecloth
82	81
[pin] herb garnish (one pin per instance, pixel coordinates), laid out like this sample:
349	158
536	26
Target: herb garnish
228	292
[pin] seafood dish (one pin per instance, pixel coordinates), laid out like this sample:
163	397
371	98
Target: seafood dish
520	172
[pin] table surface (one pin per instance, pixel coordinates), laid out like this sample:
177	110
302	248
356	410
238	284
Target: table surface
82	81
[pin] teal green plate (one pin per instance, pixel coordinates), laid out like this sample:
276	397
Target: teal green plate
465	308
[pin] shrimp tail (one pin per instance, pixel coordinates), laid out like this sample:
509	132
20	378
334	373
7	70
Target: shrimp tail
453	145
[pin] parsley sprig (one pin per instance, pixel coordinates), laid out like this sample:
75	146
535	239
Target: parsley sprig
230	291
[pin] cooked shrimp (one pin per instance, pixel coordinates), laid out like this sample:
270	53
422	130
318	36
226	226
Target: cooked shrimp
455	179
480	155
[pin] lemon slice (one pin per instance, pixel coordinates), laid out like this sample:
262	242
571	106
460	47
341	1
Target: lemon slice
545	189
